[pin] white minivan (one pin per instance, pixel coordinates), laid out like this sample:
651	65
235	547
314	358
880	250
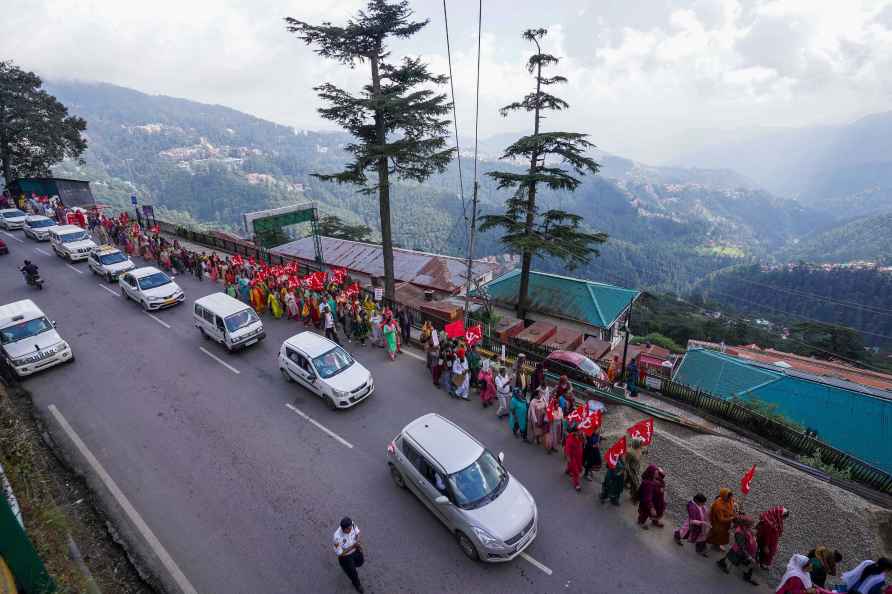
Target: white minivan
326	369
28	340
230	322
71	242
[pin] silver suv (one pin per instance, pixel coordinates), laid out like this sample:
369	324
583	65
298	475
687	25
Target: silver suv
492	516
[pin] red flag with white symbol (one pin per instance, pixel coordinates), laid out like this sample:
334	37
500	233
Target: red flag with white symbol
615	452
591	423
577	415
747	480
456	329
474	334
338	275
643	430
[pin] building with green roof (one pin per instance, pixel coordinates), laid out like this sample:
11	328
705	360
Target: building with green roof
593	308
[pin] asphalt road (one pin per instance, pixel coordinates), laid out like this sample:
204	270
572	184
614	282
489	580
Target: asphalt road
244	494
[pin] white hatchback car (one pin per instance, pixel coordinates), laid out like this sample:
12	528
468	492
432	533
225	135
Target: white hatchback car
12	218
37	227
151	288
326	369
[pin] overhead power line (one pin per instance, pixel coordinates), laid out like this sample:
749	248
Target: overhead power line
461	186
841	302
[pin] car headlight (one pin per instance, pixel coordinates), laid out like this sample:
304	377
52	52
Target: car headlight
20	361
63	346
342	394
156	298
486	538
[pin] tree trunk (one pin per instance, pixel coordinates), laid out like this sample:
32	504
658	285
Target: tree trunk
4	148
383	188
527	259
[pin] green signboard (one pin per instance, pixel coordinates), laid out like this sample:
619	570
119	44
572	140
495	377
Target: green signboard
274	222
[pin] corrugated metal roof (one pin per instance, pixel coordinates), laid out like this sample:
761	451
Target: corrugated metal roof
721	375
592	303
443	273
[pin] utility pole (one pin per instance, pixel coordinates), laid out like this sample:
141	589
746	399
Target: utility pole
471	251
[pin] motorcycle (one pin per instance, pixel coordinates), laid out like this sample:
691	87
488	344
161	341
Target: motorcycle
34	280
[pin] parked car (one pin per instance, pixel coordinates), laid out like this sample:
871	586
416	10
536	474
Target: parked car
37	227
151	288
576	366
12	218
326	369
109	262
492	516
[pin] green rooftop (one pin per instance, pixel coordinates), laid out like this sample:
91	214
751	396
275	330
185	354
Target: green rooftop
575	299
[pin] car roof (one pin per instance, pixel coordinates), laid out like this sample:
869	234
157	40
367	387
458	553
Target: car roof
66	228
310	343
106	249
5	210
38	218
144	271
221	303
26	308
568	356
446	443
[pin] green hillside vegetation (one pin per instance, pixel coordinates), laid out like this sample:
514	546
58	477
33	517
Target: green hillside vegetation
865	238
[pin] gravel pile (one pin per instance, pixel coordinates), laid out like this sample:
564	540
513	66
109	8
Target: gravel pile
820	514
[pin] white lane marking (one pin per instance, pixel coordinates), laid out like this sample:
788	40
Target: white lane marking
219	360
10	235
101	286
536	564
412	354
73	268
181	580
157	319
42	252
331	433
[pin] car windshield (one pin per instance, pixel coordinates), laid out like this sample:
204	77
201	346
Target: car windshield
24	330
246	317
479	483
76	236
333	362
153	281
11	214
112	258
41	223
589	366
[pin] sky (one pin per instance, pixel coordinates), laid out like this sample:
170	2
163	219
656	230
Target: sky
647	79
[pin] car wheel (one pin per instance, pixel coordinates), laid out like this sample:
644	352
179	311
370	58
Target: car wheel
124	293
145	305
467	547
204	334
397	477
287	377
110	278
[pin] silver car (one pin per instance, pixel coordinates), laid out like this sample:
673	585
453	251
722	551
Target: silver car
492	516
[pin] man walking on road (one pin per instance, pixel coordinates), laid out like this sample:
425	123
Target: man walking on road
329	322
348	550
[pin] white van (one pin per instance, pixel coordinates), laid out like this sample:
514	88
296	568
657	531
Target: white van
230	322
28	340
71	242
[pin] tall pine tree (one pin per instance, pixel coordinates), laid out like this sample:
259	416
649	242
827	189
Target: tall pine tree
528	231
397	119
36	131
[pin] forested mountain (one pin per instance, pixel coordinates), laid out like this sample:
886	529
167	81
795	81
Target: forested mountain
209	164
863	238
856	296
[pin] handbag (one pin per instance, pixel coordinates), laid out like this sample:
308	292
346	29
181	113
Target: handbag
458	379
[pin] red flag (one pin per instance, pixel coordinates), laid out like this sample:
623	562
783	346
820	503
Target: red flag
338	275
642	430
456	329
474	334
352	290
577	415
316	281
591	423
747	480
615	452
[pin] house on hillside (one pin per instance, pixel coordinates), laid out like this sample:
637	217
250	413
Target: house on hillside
591	308
853	417
434	275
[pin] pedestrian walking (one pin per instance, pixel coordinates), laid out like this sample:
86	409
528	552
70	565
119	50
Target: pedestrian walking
349	551
651	498
796	579
632	461
823	564
869	577
591	453
573	449
331	332
695	526
720	515
743	550
768	533
503	391
461	376
517	418
632	379
614	483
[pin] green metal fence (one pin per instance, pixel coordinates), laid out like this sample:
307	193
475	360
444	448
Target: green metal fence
19	554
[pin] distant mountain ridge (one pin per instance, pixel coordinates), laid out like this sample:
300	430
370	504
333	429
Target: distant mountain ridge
209	164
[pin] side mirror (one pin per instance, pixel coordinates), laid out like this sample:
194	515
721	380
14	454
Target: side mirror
441	500
311	378
53	323
501	456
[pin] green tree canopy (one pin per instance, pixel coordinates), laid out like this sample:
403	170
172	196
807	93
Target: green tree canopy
397	118
36	131
333	226
528	231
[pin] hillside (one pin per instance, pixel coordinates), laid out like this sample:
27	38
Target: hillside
858	297
864	238
209	164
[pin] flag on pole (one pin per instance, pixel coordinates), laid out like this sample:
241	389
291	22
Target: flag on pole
577	415
643	430
338	275
591	423
456	329
747	480
615	452
474	334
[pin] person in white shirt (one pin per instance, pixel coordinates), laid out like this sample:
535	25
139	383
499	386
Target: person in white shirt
349	551
503	391
329	324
